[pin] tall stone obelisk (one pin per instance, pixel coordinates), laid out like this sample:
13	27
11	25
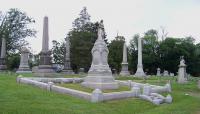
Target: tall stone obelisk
124	70
140	72
45	68
3	55
67	65
100	75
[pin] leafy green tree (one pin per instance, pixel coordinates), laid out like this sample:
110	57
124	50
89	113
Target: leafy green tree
58	52
116	53
14	26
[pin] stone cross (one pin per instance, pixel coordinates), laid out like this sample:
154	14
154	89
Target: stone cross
140	72
124	70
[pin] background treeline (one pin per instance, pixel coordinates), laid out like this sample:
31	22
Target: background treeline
163	52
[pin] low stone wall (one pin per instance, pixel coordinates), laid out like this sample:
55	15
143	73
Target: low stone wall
97	95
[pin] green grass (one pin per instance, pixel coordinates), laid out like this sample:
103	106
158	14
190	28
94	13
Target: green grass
24	99
81	88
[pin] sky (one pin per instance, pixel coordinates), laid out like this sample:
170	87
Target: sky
180	18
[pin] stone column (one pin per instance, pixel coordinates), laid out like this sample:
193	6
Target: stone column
140	72
158	72
24	67
45	68
67	65
3	55
100	75
124	70
182	75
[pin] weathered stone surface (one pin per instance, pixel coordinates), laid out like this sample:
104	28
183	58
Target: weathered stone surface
3	55
158	72
124	70
198	84
140	72
24	67
67	64
97	96
45	68
182	75
165	73
100	75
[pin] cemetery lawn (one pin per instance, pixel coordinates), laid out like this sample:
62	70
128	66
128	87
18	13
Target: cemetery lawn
25	99
78	86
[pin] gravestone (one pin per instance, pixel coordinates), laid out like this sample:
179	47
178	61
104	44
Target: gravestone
24	67
158	72
3	66
165	73
45	68
67	65
140	72
100	75
182	75
124	70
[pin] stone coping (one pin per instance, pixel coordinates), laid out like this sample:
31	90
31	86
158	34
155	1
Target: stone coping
97	95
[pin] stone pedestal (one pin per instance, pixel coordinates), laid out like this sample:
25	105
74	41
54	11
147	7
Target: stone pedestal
158	72
182	75
100	75
24	67
140	72
3	66
45	68
124	70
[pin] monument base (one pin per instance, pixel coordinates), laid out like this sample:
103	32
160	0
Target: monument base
46	71
24	70
124	71
3	66
140	73
67	71
100	81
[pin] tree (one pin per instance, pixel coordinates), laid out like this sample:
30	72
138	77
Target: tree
58	52
14	26
116	53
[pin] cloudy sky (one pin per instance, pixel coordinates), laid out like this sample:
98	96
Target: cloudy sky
127	17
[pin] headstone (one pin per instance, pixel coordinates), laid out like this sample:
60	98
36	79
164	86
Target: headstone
99	74
45	68
67	65
140	72
3	55
165	73
24	67
81	71
171	74
182	75
158	72
124	70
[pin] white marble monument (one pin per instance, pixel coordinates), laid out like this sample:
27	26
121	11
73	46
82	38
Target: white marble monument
158	72
24	67
140	72
124	70
182	75
99	74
